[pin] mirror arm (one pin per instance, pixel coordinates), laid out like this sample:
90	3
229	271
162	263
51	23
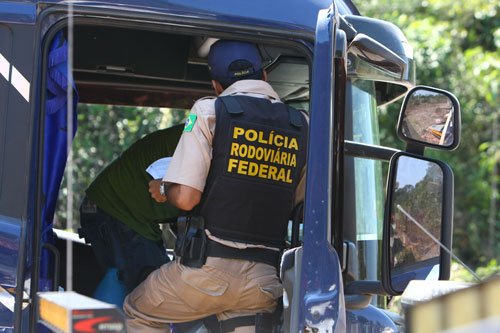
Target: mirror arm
348	29
364	150
416	149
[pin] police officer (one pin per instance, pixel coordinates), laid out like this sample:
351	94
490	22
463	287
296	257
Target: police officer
237	169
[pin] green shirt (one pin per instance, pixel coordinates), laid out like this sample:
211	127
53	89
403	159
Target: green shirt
122	188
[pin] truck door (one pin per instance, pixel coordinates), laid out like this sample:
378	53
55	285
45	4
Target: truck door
17	113
322	303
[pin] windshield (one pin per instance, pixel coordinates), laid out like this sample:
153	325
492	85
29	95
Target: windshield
368	191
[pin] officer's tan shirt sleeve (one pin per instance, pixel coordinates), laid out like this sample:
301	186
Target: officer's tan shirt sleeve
191	160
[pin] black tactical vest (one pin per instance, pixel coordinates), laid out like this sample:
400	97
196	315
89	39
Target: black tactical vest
259	150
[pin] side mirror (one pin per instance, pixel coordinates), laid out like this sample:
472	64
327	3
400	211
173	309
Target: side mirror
430	117
418	220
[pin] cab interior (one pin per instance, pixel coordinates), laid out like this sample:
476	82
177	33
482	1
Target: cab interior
115	65
138	68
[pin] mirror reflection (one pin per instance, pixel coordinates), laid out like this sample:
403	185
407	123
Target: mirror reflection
428	117
415	220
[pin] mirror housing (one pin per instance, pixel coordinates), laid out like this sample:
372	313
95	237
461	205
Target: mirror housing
429	117
369	58
418	219
389	86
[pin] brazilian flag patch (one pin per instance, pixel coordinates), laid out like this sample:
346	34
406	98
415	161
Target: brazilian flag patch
188	125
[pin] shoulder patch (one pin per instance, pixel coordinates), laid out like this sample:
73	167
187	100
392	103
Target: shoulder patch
190	120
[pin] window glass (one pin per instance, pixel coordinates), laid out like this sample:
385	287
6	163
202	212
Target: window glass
369	190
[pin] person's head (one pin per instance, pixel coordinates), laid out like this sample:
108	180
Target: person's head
230	61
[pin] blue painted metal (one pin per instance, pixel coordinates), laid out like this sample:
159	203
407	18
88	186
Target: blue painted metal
368	320
298	15
17	12
321	287
10	233
6	318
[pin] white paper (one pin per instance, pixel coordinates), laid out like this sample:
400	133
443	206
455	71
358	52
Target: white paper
158	168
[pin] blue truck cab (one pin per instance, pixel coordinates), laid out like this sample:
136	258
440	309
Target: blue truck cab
364	235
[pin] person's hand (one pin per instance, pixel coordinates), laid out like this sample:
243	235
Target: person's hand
154	189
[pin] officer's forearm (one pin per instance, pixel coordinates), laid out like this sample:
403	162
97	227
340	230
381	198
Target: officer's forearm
183	197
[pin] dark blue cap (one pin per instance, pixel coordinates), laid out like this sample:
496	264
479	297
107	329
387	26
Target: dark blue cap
232	60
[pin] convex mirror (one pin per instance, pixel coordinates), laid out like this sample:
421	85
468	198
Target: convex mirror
430	117
418	219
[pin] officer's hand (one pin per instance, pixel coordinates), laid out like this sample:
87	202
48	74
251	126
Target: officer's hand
154	189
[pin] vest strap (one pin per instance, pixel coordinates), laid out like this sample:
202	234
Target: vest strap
232	105
266	256
295	117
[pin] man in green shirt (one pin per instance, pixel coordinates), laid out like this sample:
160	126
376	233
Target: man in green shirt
118	216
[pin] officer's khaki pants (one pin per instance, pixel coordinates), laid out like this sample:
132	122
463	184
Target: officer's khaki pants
226	287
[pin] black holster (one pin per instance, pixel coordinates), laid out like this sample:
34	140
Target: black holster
191	244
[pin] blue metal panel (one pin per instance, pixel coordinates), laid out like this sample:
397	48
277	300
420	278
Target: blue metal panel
321	280
6	319
17	12
297	14
10	231
5	55
10	234
16	232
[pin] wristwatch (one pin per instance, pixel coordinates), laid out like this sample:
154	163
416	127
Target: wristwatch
163	189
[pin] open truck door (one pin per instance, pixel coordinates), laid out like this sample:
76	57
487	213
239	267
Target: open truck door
18	63
32	159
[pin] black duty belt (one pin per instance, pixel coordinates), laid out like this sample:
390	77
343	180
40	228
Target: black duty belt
263	323
266	256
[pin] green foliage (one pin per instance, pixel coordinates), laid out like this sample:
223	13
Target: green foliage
104	131
456	48
459	273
